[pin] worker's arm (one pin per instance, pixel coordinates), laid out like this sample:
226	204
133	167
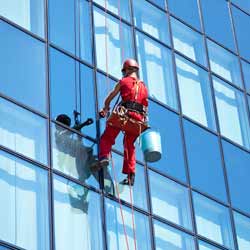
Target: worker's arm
109	98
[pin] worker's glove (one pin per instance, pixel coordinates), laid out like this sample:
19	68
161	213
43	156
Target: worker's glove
103	112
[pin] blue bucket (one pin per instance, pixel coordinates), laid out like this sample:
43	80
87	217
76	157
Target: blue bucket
151	145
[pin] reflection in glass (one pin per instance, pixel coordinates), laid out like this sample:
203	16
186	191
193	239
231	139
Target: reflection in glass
169	238
217	21
168	125
29	14
138	191
242	22
70	27
115	232
118	7
22	74
188	42
206	246
237	164
213	220
23	131
170	200
24	203
156	69
204	161
224	63
232	114
77	216
195	92
242	224
246	73
114	37
187	11
73	155
151	20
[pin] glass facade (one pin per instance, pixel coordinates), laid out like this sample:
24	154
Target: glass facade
63	57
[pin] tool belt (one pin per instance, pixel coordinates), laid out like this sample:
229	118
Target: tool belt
120	119
134	106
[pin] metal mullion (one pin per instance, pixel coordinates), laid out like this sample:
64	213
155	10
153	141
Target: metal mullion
238	7
155	5
211	242
245	59
241	212
9	245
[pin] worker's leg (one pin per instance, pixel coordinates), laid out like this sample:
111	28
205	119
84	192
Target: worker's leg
107	140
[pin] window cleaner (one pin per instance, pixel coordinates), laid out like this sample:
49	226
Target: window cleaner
130	116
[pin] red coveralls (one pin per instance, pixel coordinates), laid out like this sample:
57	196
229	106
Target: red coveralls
128	93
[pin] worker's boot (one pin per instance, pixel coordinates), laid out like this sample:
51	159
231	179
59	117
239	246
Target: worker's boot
130	180
99	164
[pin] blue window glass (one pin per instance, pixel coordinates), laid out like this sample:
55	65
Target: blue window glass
24	203
70	27
246	73
195	92
23	131
156	69
138	191
186	10
204	161
160	3
22	67
77	216
232	114
114	228
213	221
151	20
224	63
217	21
28	14
72	88
170	200
167	123
241	21
73	155
188	42
237	164
167	237
244	4
115	38
118	7
242	225
206	246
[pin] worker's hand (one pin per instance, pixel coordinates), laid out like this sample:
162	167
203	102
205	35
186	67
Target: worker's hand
103	112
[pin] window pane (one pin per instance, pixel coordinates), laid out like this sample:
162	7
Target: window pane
157	69
242	21
195	92
29	14
70	27
175	205
213	220
188	42
204	161
206	246
151	20
168	125
73	155
115	38
246	73
231	112
169	238
224	63
23	131
244	4
217	21
160	3
22	74
242	224
24	203
138	191
77	217
114	226
237	163
187	10
73	83
118	7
